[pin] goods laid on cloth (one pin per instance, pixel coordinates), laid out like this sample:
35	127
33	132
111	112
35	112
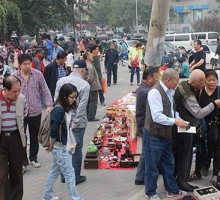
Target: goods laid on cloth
115	147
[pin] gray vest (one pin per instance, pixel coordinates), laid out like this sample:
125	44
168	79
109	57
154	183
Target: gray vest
156	129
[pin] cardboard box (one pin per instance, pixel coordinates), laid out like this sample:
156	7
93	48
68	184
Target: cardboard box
207	193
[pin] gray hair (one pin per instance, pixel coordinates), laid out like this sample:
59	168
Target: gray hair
169	73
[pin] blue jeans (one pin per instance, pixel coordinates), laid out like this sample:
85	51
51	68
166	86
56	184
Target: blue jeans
141	164
61	163
78	155
133	69
158	154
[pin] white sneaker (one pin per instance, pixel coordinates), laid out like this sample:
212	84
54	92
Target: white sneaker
53	198
155	197
35	164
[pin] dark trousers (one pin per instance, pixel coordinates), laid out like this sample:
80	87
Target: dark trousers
101	94
158	154
11	177
204	154
33	127
133	69
182	151
109	75
92	104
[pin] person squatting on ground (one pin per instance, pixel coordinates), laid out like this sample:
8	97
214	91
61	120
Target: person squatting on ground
60	142
79	116
150	78
93	80
189	110
12	139
160	117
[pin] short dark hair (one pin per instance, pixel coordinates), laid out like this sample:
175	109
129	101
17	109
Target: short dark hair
56	42
66	90
23	57
149	72
199	42
93	48
85	56
9	80
139	44
61	55
210	72
180	60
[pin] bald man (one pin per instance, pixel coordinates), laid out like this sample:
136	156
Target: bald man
189	110
160	117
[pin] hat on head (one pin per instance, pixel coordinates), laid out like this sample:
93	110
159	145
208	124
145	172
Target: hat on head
79	64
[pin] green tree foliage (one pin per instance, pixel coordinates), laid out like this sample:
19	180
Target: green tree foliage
118	13
43	14
121	13
10	16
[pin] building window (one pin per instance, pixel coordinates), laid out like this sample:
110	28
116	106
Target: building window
183	18
197	15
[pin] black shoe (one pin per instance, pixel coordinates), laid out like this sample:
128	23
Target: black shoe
139	182
108	84
114	83
193	186
185	186
62	180
81	180
93	120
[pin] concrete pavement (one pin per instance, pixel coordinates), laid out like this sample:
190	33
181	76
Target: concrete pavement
100	184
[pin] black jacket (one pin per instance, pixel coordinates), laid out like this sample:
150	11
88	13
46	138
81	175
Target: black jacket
51	77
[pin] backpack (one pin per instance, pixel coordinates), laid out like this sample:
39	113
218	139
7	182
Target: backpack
44	131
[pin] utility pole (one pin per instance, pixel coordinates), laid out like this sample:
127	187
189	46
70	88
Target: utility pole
136	17
157	30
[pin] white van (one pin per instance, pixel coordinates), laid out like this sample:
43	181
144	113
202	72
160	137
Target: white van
181	40
206	37
186	39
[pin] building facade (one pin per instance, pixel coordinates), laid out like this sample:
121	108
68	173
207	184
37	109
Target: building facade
190	11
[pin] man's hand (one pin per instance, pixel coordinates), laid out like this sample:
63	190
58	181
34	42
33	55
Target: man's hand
217	101
48	109
181	123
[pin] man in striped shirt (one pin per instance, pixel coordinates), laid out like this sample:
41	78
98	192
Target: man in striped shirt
12	138
33	85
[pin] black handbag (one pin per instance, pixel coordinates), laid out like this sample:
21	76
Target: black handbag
212	131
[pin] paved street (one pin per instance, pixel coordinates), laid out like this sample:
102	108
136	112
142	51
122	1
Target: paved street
100	184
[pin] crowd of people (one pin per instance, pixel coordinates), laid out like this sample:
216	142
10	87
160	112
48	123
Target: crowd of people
70	92
73	95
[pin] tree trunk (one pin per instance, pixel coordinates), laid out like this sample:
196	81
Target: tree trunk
157	31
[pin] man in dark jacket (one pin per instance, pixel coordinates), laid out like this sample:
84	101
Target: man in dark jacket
111	63
55	71
150	78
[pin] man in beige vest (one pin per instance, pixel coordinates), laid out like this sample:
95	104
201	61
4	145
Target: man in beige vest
12	139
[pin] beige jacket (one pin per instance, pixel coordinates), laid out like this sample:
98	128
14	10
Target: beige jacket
20	107
92	77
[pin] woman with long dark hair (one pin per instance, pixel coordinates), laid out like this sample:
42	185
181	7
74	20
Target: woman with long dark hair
60	142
